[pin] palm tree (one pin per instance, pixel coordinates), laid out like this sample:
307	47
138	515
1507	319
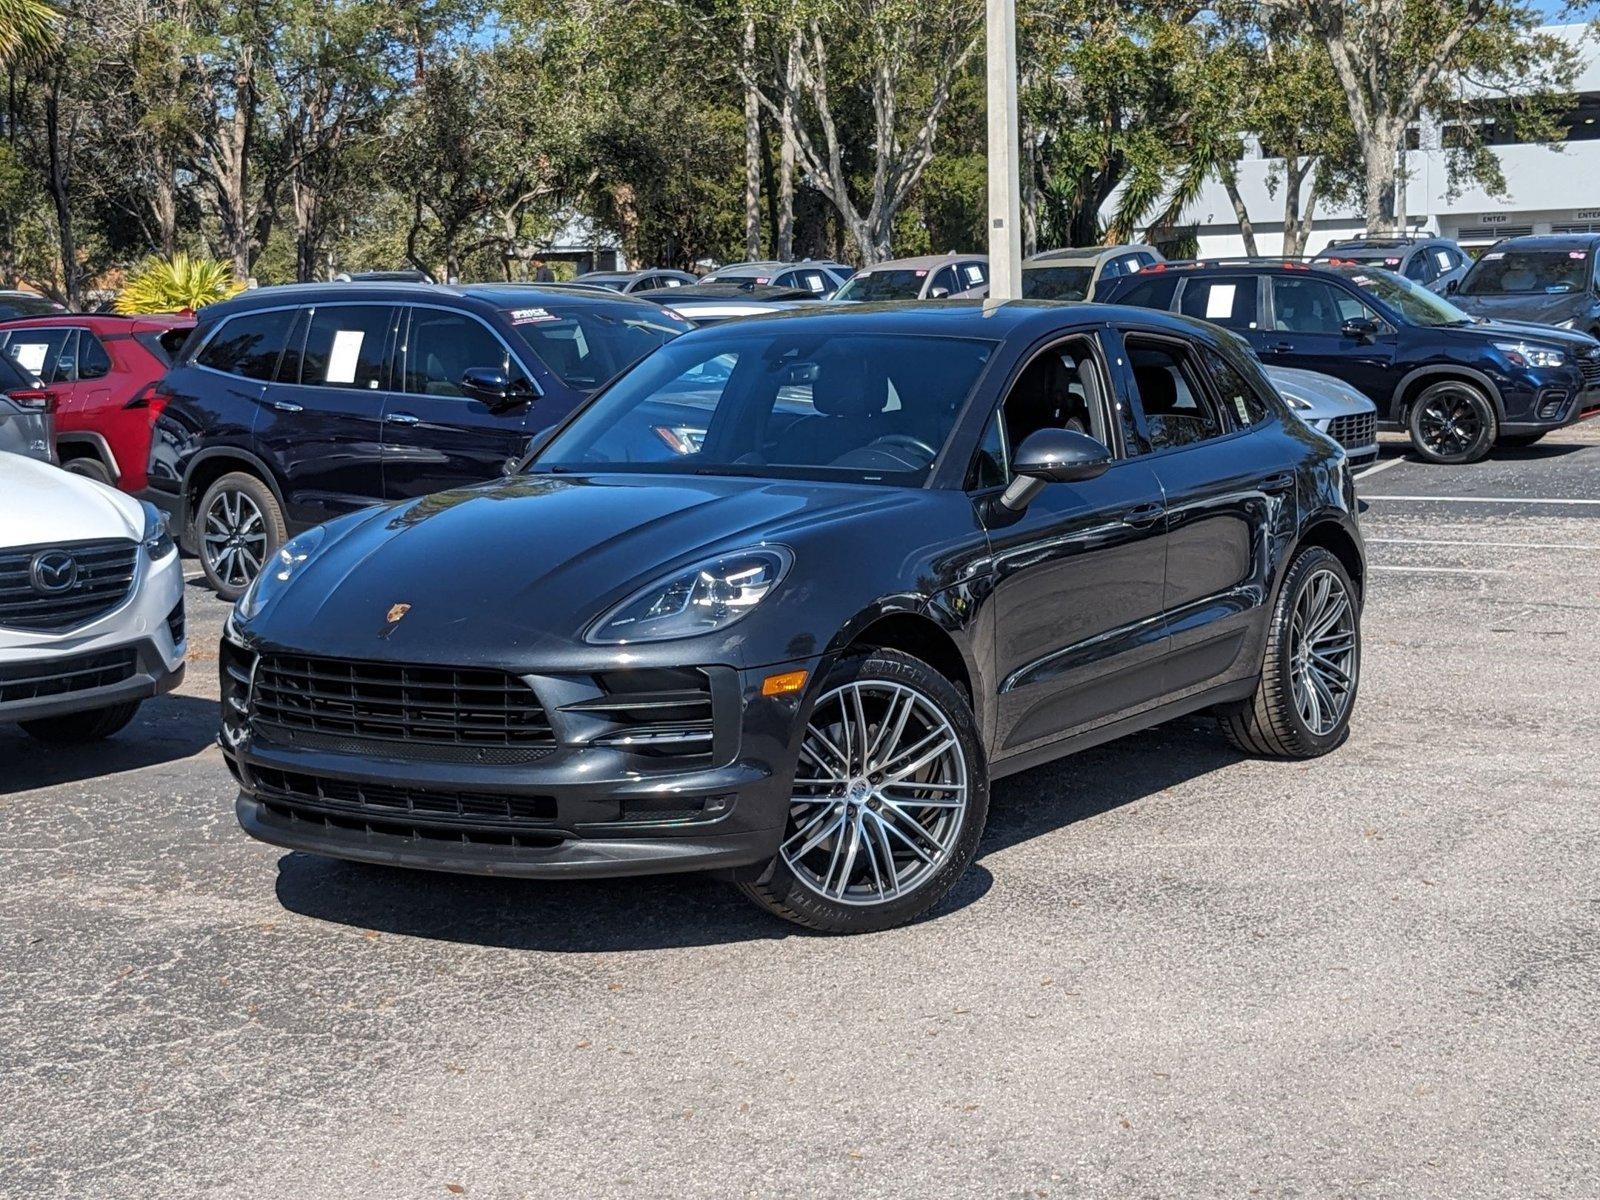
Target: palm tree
26	28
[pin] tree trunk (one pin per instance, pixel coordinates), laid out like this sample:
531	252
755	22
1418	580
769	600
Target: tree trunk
786	152
1247	230
164	199
752	145
1382	177
59	185
307	232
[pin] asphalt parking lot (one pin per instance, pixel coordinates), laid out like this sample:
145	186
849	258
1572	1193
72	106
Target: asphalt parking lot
1172	973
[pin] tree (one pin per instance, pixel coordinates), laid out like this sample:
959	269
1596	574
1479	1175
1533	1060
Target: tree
27	28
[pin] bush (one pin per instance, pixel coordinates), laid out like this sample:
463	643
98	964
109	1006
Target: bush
161	286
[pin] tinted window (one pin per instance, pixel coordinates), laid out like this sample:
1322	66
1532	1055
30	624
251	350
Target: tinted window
1061	388
1238	397
872	408
883	285
1419	267
944	278
1528	271
1313	305
1154	292
248	344
1177	411
442	346
1228	300
1056	283
11	376
588	345
345	346
93	361
47	353
989	465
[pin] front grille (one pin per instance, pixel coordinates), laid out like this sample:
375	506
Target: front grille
101	574
402	709
175	623
406	811
657	713
63	676
1356	431
1589	365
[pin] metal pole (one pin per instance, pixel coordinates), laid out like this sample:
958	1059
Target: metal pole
1005	185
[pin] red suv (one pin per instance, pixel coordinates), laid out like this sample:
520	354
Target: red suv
102	370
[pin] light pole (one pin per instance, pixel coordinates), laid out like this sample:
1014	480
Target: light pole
1005	187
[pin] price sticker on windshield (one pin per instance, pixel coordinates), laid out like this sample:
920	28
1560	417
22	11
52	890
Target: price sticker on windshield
1490	257
1577	254
521	316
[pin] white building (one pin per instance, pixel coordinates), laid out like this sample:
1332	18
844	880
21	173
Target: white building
1549	190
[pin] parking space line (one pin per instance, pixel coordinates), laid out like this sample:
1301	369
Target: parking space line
1486	500
1376	467
1440	570
1378	541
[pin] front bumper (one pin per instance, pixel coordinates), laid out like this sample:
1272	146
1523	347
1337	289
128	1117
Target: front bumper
1556	410
578	809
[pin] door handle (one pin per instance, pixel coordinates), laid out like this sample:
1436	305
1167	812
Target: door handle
1280	348
285	406
404	418
1144	515
1278	483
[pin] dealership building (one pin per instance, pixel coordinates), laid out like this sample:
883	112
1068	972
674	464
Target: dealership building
1549	189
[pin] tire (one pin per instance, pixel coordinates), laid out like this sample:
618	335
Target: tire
1275	722
89	468
839	883
1452	422
74	728
1516	441
238	527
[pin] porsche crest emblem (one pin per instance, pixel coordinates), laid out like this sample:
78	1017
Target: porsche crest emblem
396	611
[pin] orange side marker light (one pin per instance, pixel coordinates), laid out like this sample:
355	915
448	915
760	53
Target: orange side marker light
783	685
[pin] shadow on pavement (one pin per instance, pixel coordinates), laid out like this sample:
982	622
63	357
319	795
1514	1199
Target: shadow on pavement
652	912
167	728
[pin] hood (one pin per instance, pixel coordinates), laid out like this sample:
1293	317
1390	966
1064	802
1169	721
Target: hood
1538	307
1328	397
43	505
524	565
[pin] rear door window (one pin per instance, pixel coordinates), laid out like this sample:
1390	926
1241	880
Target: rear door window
249	344
347	345
1227	300
48	353
1241	400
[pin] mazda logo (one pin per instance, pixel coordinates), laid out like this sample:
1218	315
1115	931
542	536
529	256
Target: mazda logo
53	572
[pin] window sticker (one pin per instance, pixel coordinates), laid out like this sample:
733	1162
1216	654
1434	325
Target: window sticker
1361	280
30	355
1577	254
344	355
1219	300
974	273
521	316
763	278
920	274
1391	262
1494	254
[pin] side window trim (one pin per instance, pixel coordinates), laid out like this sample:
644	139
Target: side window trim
403	348
1197	376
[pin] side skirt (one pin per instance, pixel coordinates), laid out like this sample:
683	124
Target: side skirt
1241	689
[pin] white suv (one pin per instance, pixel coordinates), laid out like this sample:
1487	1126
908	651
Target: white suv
91	603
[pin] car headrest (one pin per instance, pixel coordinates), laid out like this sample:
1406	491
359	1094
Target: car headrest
1158	394
843	388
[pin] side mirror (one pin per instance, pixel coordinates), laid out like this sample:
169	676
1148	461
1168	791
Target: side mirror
1053	456
938	293
1451	288
493	386
1360	329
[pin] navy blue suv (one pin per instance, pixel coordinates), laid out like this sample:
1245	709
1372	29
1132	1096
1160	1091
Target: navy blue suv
1459	386
290	406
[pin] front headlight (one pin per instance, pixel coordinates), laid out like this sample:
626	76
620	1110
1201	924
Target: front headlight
157	538
275	576
701	599
1524	354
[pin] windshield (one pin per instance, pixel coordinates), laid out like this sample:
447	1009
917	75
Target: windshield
867	408
586	345
1525	272
1056	283
1416	304
884	285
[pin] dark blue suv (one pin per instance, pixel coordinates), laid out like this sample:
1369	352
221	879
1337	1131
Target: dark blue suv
1458	385
290	406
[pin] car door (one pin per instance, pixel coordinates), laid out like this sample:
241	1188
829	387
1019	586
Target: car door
1304	328
321	424
1079	575
435	434
50	353
1227	475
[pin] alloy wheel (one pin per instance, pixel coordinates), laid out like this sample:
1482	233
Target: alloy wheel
1450	424
880	796
1322	651
235	538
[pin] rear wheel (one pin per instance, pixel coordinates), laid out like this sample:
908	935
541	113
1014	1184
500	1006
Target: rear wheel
89	468
238	528
888	803
1312	665
1516	441
1452	422
88	726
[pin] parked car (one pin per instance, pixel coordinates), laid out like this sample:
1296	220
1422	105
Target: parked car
919	547
1458	386
822	280
712	303
1333	407
293	405
1543	280
403	275
1080	272
26	304
928	277
27	414
636	281
91	604
1435	263
102	370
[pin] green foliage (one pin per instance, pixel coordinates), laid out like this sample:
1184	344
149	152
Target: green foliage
177	284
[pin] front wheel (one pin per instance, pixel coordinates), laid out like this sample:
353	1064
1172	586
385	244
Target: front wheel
240	526
888	802
1452	423
1312	665
89	468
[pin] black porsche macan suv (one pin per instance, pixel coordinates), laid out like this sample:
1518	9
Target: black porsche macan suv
880	556
289	406
1458	385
